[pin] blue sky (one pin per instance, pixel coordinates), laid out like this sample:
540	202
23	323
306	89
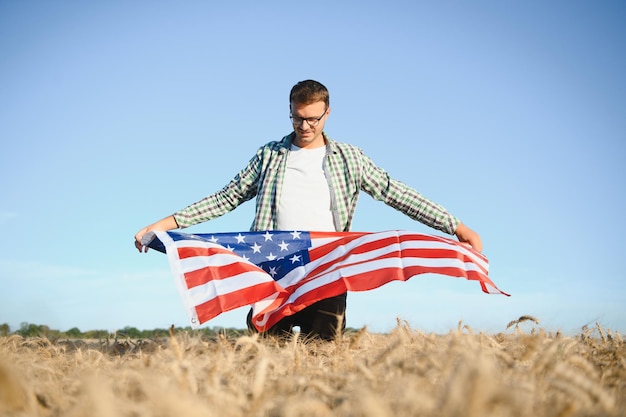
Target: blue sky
510	114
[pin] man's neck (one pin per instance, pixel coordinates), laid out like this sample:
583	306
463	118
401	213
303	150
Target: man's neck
316	142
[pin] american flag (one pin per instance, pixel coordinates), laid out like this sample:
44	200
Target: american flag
281	272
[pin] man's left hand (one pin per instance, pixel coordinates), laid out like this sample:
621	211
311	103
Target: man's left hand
467	235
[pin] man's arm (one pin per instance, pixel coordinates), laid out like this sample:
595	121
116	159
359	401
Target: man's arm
167	223
398	195
467	235
238	190
381	186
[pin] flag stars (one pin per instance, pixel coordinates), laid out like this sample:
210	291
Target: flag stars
272	271
294	259
295	234
282	250
256	248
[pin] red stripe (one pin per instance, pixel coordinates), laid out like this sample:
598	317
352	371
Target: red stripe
376	277
454	243
321	251
243	297
335	235
205	275
364	282
317	294
343	261
190	252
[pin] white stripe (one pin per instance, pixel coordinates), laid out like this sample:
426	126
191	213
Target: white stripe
214	288
204	293
259	308
355	270
179	278
391	248
437	242
199	262
444	244
321	241
203	261
365	258
193	243
406	262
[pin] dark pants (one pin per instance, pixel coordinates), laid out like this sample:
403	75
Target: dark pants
318	320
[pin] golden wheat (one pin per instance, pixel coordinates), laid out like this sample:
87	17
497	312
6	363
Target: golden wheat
403	373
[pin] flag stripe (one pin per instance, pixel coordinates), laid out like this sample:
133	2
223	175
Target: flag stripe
205	249
213	307
208	273
334	284
204	302
225	286
381	249
365	243
369	270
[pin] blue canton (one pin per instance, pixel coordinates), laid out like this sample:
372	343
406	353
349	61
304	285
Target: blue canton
276	252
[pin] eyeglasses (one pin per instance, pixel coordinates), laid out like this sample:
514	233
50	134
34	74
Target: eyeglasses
311	121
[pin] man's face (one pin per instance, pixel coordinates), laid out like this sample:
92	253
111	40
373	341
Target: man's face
303	117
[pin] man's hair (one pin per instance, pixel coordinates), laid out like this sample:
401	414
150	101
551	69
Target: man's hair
309	92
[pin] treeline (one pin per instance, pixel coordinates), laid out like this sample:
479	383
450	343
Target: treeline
41	330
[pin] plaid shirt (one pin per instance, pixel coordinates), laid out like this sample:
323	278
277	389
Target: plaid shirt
348	171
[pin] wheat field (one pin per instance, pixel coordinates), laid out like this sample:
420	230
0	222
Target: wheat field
520	372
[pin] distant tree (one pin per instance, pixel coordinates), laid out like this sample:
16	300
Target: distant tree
44	331
74	333
148	334
131	332
36	330
28	330
5	329
23	330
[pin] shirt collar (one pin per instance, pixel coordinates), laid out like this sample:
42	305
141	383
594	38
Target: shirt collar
331	145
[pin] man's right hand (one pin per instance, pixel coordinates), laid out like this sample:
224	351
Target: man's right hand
138	236
167	223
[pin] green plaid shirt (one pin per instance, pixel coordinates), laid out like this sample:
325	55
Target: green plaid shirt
348	170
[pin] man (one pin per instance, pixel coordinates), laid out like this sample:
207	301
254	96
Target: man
308	181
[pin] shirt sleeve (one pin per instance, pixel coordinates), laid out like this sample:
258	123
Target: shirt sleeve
379	184
239	190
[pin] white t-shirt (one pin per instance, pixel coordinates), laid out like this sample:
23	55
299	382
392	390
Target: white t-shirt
304	202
